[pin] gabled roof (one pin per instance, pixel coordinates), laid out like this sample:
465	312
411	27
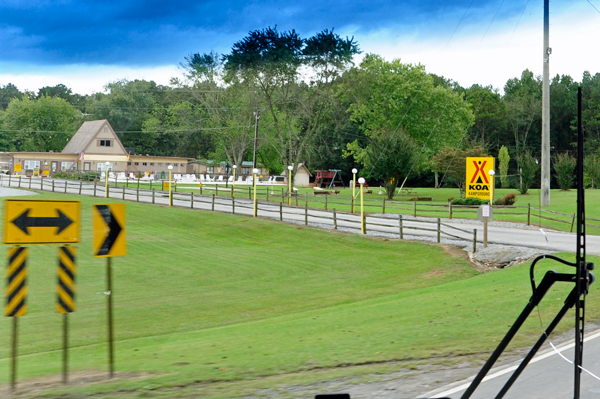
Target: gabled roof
86	133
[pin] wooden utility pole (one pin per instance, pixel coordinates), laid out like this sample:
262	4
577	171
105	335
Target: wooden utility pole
545	184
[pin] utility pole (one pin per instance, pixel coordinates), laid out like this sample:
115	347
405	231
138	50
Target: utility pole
545	184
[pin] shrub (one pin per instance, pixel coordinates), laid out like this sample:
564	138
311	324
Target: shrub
469	201
528	167
564	166
509	199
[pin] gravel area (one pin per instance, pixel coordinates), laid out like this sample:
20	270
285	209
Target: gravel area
12	192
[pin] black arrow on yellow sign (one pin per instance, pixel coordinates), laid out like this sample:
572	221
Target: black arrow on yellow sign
114	229
24	221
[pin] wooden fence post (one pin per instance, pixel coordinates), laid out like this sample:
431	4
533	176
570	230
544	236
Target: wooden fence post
450	210
306	213
65	186
249	193
30	182
326	202
217	189
137	194
267	194
213	202
400	227
383	207
95	188
52	185
528	214
334	219
19	181
415	210
153	194
80	186
352	204
192	200
306	200
9	180
233	205
281	211
124	192
439	230
572	222
474	240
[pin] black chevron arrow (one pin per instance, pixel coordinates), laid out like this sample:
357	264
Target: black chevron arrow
113	225
24	221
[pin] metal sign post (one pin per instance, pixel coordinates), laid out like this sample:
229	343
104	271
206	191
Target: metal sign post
109	240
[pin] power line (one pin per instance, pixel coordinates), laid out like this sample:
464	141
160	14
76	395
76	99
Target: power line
130	131
489	26
598	11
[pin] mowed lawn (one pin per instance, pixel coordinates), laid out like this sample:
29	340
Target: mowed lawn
222	305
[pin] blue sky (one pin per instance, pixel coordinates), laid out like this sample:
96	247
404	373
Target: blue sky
86	44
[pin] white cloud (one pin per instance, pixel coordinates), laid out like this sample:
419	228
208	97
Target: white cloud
84	79
500	55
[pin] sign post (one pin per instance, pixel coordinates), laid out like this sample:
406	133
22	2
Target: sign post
109	240
39	222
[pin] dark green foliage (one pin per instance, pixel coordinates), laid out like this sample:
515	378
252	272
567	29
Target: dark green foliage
469	201
564	166
528	167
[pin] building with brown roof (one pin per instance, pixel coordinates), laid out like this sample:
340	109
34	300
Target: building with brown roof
93	146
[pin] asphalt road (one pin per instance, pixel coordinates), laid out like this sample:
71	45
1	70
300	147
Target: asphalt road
549	375
551	241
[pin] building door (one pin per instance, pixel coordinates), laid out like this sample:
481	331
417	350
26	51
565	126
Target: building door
54	166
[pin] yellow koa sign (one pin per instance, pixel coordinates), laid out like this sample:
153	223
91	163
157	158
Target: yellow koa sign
478	179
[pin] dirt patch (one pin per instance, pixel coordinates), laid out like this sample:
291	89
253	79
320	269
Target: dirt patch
37	387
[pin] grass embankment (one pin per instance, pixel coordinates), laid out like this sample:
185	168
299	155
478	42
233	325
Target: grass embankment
225	305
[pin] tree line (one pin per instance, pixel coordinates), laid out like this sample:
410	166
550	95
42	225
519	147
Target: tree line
392	120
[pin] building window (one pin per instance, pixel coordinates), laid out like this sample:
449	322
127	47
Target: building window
129	163
151	163
144	164
105	143
65	166
136	163
180	164
246	171
160	164
210	169
32	164
86	166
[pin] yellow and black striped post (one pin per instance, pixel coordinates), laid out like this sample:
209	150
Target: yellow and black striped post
16	290
66	296
66	279
16	293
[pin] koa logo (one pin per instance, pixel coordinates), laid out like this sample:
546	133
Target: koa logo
479	187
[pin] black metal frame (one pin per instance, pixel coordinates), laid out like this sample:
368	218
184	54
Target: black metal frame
581	279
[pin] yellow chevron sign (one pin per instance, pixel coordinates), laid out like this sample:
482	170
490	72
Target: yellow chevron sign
16	289
66	279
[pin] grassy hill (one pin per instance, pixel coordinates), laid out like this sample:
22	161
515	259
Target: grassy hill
223	305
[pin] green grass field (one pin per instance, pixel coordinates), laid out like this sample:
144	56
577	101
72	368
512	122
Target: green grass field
219	306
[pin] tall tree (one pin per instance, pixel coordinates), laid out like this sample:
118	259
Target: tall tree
294	105
392	96
523	98
45	124
490	116
7	93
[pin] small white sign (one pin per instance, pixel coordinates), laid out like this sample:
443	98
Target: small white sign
485	211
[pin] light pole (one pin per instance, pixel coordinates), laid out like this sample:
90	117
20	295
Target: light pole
233	184
361	181
106	180
354	172
290	184
255	171
170	188
492	182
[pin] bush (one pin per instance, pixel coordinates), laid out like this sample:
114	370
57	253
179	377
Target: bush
509	199
469	201
564	166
